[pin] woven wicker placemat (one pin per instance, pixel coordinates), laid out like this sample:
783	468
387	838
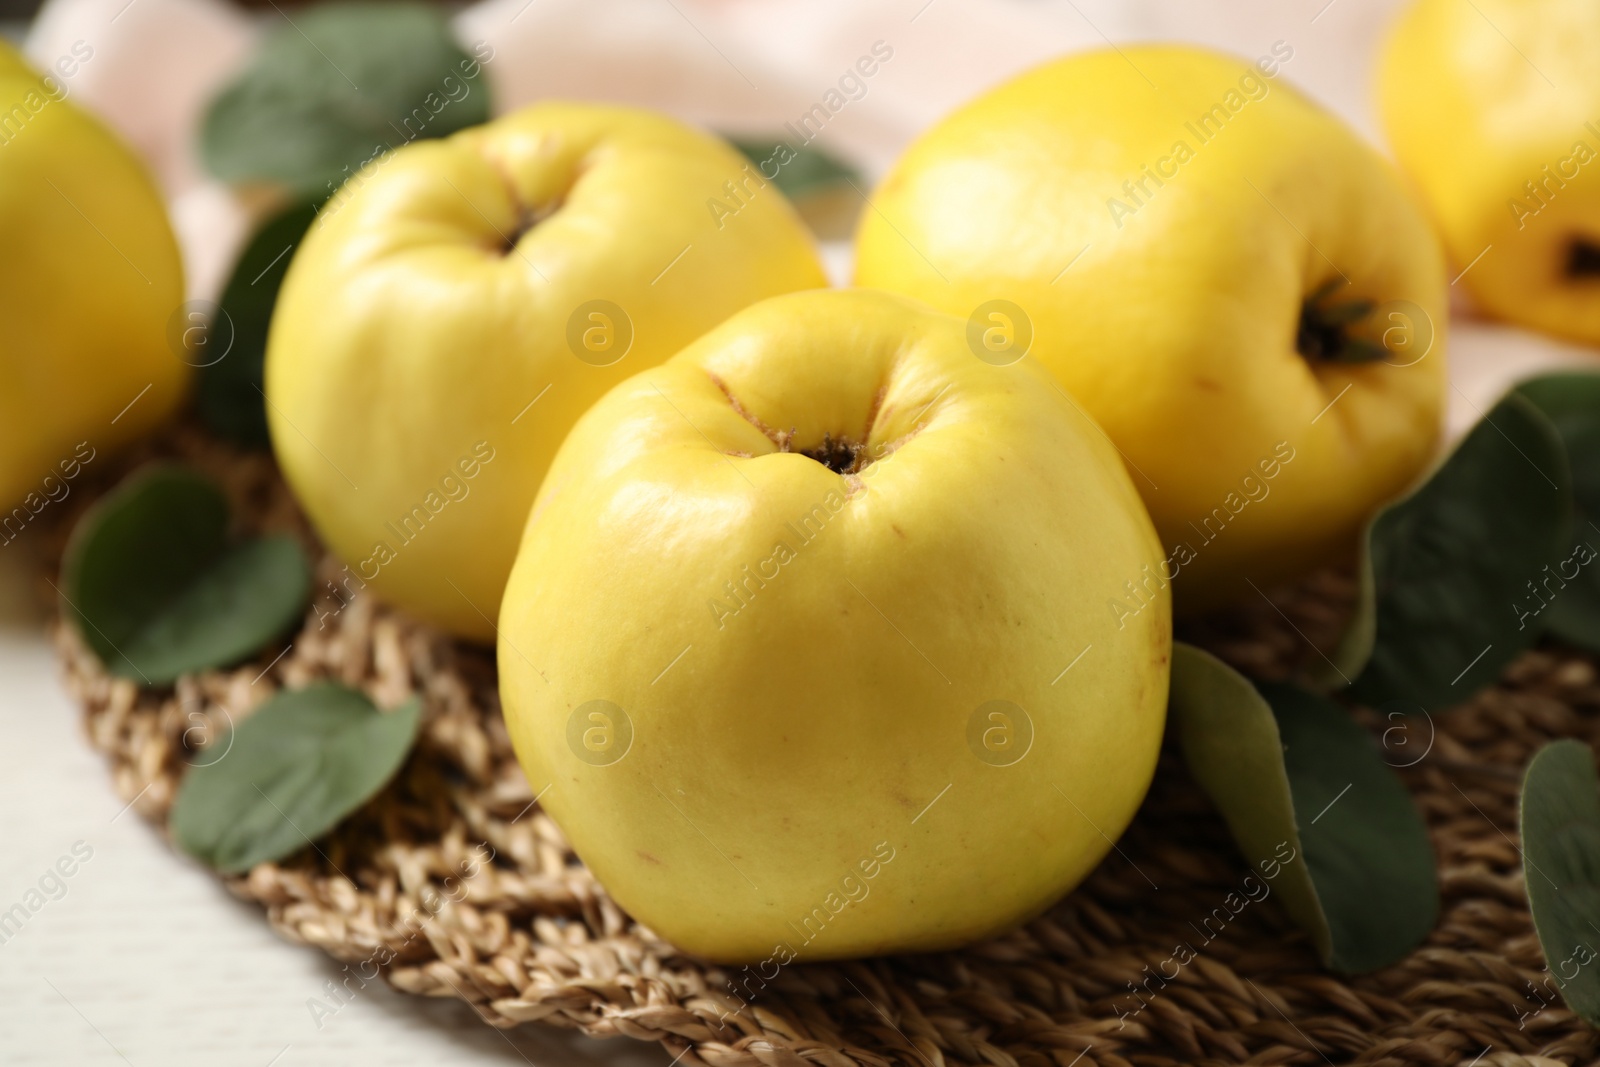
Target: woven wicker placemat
454	883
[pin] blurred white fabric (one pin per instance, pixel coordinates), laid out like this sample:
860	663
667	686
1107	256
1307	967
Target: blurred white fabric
152	68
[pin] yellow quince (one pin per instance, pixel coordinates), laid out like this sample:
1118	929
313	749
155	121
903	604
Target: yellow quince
460	302
1492	108
1237	289
90	282
809	637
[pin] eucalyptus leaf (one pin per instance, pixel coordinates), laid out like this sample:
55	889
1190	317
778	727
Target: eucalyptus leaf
1445	568
1561	868
799	172
290	773
157	590
228	394
341	84
1313	809
1566	596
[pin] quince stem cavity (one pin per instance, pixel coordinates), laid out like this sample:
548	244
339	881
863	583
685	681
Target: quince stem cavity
1325	331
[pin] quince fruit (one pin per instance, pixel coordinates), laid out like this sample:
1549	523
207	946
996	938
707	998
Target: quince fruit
90	279
460	302
1223	275
1493	110
806	648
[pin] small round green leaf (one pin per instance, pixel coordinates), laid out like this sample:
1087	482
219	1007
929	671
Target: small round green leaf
156	589
1561	868
1313	809
1565	596
1365	841
1450	562
342	83
229	393
290	773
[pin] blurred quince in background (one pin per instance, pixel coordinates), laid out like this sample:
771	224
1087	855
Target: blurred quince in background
1493	110
90	286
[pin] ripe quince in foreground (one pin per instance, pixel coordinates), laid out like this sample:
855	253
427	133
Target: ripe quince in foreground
1227	279
89	280
808	649
460	302
1493	109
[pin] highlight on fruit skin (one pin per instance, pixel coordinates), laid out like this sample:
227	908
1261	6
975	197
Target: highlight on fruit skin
91	285
1235	287
460	302
1493	111
810	646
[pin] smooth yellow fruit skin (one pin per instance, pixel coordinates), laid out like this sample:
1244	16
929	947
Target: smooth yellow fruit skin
406	335
1481	99
781	750
1176	330
89	277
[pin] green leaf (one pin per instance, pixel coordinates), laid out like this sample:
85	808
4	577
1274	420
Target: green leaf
1561	868
800	172
1327	826
156	589
342	83
1444	567
288	774
1566	597
1230	742
228	394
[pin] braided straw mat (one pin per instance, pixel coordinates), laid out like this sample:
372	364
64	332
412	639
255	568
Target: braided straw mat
458	885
